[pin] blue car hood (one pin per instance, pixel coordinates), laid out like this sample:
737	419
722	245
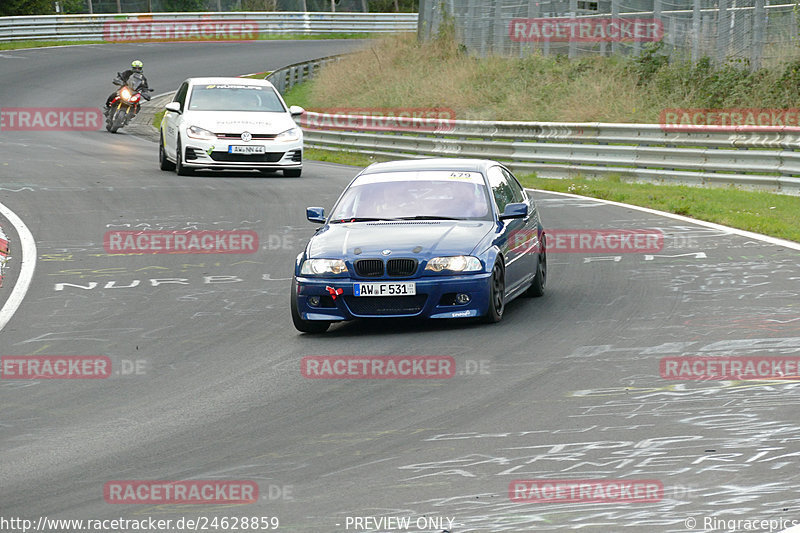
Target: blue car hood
422	239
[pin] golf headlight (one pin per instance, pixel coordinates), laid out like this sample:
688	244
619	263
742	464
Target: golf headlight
323	266
199	133
456	263
292	134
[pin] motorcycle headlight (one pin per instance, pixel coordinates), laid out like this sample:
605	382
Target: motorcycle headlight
323	266
125	93
456	263
196	132
292	134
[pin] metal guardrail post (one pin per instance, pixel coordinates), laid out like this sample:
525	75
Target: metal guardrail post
615	15
696	30
723	32
758	35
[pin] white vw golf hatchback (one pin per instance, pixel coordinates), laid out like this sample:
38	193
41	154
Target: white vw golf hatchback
230	123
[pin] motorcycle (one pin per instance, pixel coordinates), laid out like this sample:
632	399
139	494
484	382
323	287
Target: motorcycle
125	104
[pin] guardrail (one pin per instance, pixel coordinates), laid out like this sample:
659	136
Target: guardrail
561	150
290	75
95	27
766	159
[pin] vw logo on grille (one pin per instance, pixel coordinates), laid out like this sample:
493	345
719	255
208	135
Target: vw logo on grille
386	252
247	136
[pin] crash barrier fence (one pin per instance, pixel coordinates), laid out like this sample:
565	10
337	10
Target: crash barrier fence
290	75
765	158
722	30
197	26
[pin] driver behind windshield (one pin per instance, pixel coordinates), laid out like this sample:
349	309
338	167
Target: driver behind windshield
136	67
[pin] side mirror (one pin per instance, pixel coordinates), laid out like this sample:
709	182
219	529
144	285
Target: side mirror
315	214
175	107
518	210
296	110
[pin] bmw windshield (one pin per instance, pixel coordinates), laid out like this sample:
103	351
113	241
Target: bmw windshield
439	195
227	97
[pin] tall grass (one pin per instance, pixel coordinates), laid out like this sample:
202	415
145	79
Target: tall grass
400	71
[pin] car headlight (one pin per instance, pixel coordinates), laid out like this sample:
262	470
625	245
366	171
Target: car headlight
292	134
456	263
196	132
323	266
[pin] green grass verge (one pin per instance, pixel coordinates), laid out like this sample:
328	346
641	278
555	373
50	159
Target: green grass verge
16	45
343	158
767	213
158	118
299	95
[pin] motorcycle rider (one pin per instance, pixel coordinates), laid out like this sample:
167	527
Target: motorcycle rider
136	66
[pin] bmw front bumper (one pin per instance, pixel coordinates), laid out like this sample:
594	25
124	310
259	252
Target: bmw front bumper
434	298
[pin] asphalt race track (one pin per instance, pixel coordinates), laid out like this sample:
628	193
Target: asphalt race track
208	385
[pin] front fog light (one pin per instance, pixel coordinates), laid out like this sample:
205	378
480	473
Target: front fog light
462	298
313	301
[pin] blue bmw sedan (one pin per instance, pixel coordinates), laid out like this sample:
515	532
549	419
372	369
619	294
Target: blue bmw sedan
428	238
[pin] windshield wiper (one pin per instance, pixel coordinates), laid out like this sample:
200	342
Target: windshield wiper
428	217
360	219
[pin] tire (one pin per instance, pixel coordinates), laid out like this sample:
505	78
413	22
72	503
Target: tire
110	119
306	326
116	121
163	162
537	286
497	294
179	168
292	172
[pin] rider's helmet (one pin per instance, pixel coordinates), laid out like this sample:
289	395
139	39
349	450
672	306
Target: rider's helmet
137	66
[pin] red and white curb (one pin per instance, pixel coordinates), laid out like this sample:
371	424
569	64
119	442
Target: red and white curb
4	257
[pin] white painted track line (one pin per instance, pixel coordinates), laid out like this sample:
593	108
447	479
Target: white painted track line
750	235
27	266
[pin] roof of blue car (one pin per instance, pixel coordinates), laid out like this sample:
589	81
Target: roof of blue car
435	163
